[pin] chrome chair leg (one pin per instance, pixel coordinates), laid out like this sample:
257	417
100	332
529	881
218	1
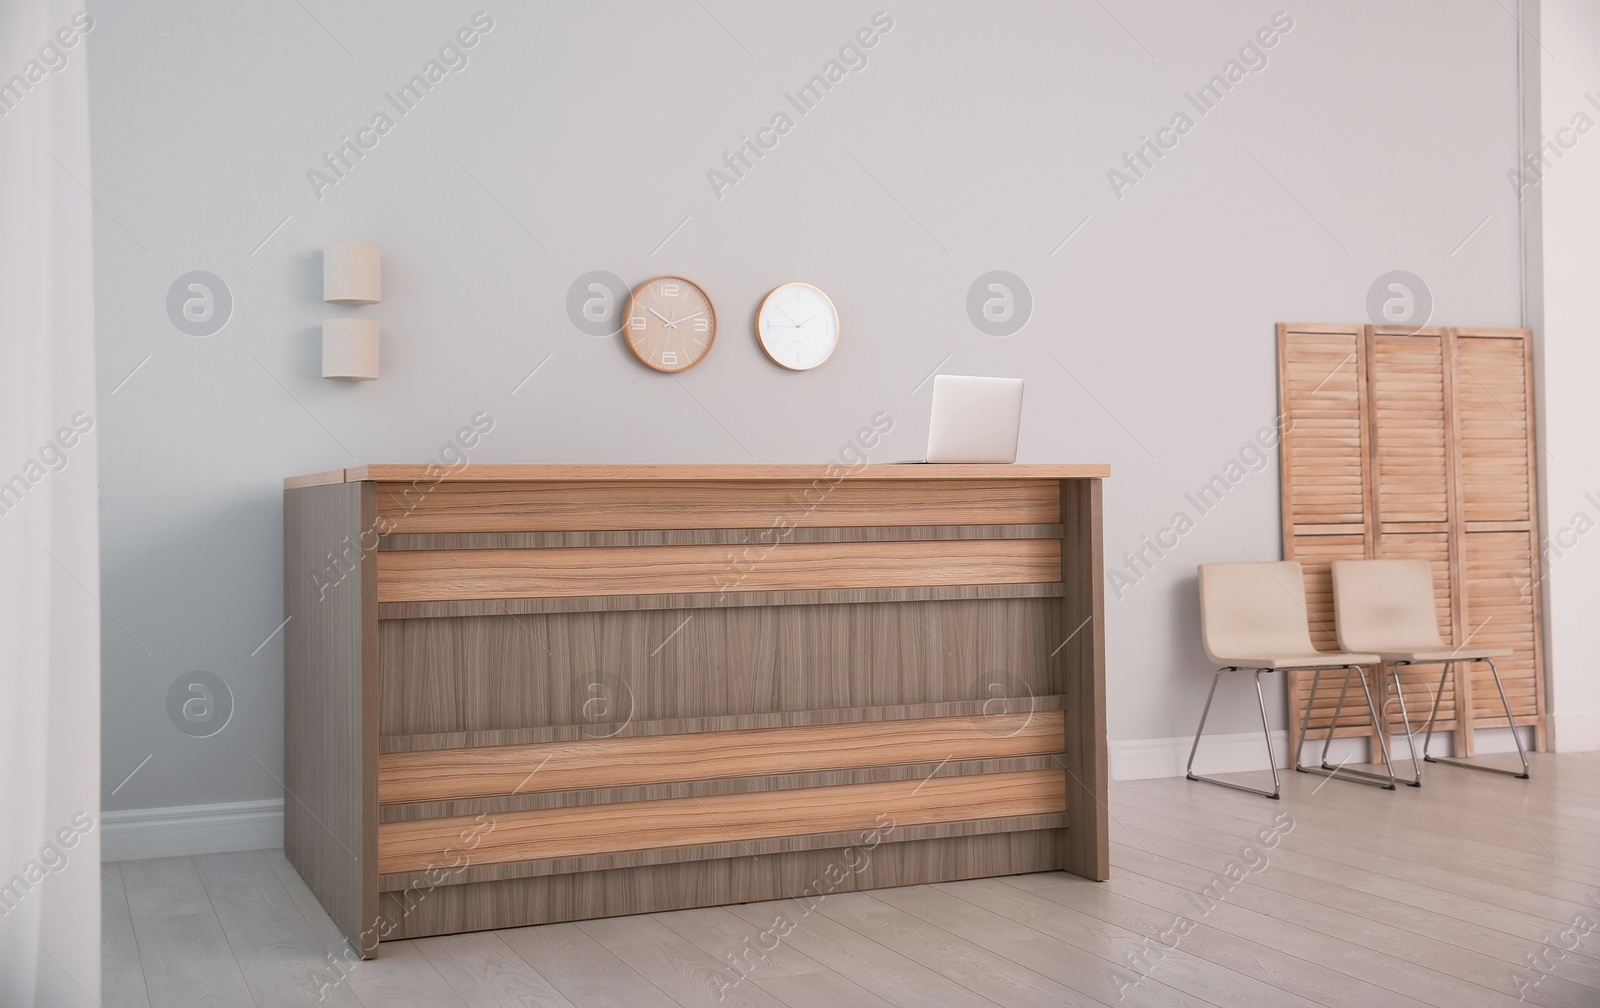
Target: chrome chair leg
1387	782
1265	731
1411	742
1433	715
1305	720
1510	722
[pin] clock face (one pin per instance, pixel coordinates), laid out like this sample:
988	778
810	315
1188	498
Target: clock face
798	326
669	324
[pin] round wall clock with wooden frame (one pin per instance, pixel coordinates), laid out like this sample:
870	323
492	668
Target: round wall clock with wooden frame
798	326
669	324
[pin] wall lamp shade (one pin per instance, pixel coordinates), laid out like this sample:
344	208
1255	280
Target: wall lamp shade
350	349
350	273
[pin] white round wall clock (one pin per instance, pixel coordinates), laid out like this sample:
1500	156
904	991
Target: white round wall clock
798	326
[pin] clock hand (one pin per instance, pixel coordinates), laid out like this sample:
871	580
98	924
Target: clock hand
658	315
674	324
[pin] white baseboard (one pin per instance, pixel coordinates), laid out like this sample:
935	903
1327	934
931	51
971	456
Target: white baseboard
133	834
1143	759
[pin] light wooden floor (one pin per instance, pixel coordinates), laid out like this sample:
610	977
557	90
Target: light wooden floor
1371	899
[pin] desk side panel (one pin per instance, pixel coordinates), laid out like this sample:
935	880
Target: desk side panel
1087	848
330	747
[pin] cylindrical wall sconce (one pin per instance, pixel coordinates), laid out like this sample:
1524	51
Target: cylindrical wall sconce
350	273
350	349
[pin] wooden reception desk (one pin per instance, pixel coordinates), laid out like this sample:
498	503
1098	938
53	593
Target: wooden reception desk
517	694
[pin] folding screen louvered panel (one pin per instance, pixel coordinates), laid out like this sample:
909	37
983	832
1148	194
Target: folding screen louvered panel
1323	452
1493	395
1496	570
1418	444
1322	377
1498	517
1408	418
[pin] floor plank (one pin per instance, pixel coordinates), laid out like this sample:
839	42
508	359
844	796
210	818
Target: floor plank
1202	849
808	990
250	901
403	978
998	978
1409	856
1444	965
1141	955
293	973
187	960
729	940
1035	948
121	974
1353	850
580	968
483	969
686	974
873	967
311	911
162	886
1385	824
1269	963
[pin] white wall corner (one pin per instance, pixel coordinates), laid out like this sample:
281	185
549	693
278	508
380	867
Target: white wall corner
1577	731
1142	759
134	834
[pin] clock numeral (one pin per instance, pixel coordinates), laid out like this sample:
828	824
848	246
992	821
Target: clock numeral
671	290
669	358
702	325
636	322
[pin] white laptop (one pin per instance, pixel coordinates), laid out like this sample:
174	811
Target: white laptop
974	419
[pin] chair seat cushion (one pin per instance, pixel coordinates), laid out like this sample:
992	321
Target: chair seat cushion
1313	659
1445	654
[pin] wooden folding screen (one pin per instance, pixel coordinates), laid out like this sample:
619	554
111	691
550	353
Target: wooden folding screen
1417	444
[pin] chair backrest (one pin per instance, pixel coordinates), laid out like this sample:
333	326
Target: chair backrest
1385	605
1253	610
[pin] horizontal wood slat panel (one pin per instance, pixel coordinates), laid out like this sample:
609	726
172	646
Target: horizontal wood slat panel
1408	428
524	801
1497	580
594	829
1492	443
1324	440
660	759
738	537
707	600
743	851
434	575
666	504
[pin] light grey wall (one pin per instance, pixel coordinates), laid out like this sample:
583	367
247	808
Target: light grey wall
579	137
1567	181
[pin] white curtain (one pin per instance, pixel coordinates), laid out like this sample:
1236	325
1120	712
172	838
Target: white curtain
49	539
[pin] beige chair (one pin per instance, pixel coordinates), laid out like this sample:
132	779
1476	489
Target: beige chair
1253	619
1387	606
